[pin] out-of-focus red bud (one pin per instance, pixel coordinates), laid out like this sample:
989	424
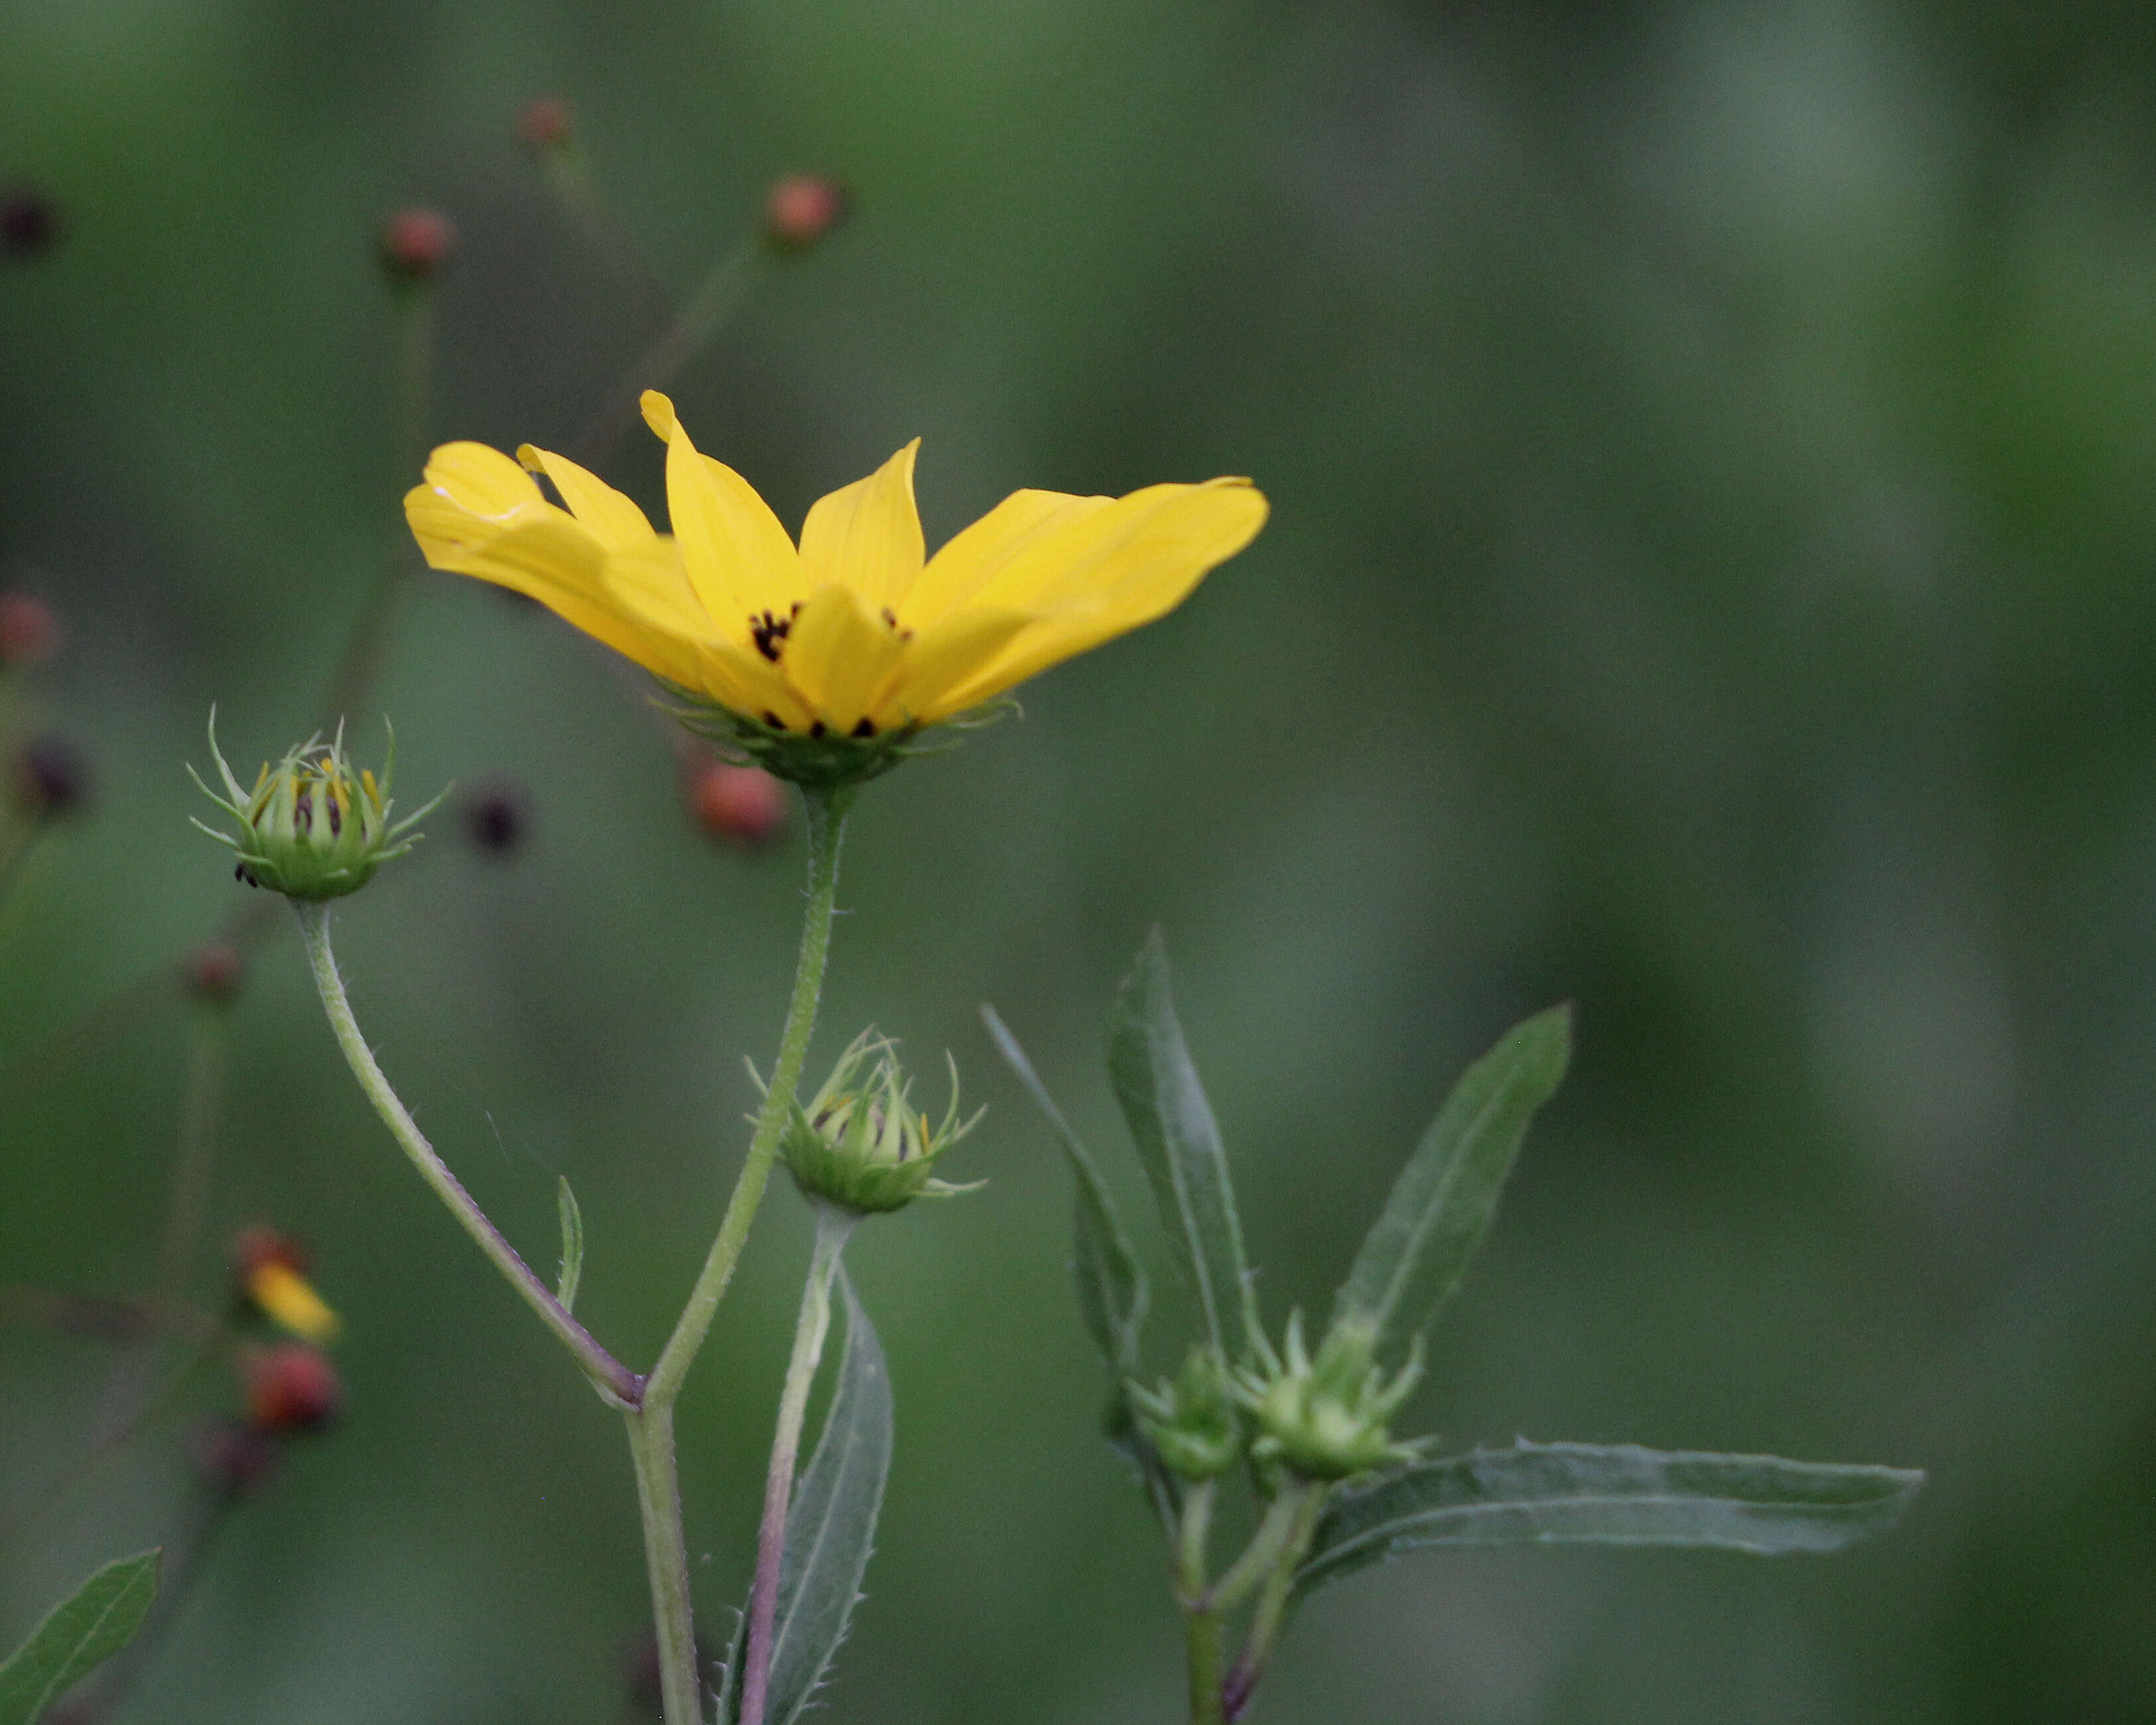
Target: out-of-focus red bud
291	1389
214	971
29	631
545	123
801	208
742	805
415	243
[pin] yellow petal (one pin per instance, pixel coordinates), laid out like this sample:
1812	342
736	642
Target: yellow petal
482	481
1111	571
615	522
867	536
841	660
946	657
285	1294
738	558
742	680
979	553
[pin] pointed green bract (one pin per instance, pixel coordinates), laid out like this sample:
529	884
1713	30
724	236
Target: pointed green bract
1443	1202
1112	1288
1179	1143
573	1246
78	1634
1619	1494
830	1528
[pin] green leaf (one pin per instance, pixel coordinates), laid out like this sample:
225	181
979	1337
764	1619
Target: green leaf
572	1246
1587	1494
1112	1288
830	1528
78	1635
1446	1196
1178	1141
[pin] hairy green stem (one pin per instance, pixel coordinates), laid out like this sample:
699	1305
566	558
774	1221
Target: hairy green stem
827	826
1271	1615
666	1560
1204	1629
833	1226
613	1378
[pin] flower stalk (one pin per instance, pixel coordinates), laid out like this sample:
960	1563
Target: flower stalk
613	1380
832	1227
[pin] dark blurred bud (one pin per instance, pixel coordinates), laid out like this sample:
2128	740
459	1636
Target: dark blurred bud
51	778
291	1388
801	208
742	805
499	818
29	631
545	123
232	1458
252	1249
415	243
213	971
30	223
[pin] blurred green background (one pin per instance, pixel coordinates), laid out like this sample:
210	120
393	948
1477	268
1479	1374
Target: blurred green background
1710	450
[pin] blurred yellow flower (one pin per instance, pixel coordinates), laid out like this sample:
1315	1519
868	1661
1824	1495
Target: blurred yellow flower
856	633
287	1296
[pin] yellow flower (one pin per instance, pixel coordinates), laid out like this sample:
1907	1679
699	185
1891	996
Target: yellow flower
856	633
286	1295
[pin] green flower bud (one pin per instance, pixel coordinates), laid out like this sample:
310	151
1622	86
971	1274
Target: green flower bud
861	1144
1192	1422
312	828
1325	1419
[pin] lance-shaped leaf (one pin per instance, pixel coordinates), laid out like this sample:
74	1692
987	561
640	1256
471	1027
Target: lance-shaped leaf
572	1245
1445	1199
1179	1143
78	1634
1588	1494
1112	1288
830	1528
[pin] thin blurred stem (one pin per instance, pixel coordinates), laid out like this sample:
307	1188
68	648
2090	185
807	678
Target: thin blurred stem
827	829
710	305
1271	1615
568	176
833	1226
186	1199
609	1375
666	1561
367	646
16	853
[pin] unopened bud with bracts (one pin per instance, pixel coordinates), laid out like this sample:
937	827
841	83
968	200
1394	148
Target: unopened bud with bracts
51	778
415	244
29	631
801	210
291	1389
271	1268
312	828
1192	1420
545	124
861	1144
1325	1419
741	805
